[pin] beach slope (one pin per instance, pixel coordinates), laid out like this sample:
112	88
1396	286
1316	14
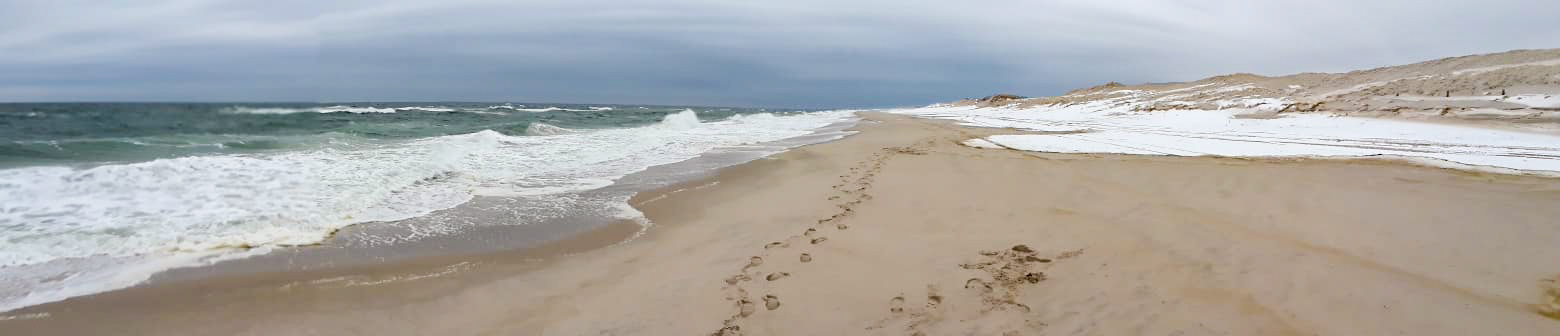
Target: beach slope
903	230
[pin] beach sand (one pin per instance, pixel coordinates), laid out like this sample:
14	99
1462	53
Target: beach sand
899	230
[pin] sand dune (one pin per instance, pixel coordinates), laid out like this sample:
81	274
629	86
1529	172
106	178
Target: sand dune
1519	86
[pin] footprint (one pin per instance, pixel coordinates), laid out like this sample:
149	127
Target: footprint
1020	306
806	257
977	284
897	304
810	232
819	240
771	302
729	331
777	244
746	307
755	261
977	265
841	226
777	276
737	278
932	298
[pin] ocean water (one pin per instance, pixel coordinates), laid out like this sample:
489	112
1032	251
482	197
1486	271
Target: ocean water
101	196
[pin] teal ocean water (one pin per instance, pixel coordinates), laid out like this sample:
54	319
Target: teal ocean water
96	196
79	134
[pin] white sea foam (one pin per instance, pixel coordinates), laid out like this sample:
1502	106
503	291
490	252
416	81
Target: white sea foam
265	110
426	108
27	285
129	221
540	129
686	119
333	109
545	109
354	109
554	108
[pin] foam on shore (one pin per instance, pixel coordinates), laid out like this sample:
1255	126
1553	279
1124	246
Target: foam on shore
79	231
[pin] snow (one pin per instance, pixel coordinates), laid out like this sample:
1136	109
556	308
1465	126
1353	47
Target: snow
1233	88
1474	71
981	143
1535	101
1529	100
1110	126
1066	143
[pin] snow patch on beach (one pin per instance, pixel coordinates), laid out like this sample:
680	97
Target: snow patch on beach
1537	101
1114	126
1480	70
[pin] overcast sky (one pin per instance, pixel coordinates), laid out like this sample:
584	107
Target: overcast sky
792	53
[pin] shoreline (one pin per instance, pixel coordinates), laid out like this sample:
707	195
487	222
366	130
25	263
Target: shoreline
358	250
907	216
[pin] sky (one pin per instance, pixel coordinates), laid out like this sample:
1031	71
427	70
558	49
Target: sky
795	53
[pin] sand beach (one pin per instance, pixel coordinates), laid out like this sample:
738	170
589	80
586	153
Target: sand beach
900	229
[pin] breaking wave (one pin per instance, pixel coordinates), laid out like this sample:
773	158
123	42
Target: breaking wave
110	226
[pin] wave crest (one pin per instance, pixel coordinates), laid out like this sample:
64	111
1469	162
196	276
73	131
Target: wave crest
332	109
540	129
680	120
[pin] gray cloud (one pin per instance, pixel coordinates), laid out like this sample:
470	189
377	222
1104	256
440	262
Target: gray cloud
805	53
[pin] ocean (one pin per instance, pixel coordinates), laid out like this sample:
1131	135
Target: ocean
100	196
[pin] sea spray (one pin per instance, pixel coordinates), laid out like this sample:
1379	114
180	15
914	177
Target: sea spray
541	129
681	120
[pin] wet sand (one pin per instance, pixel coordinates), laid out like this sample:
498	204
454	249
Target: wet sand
899	230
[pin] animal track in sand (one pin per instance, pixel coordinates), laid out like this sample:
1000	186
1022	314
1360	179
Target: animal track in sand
914	317
1550	307
771	302
932	298
1003	275
977	284
1008	270
853	190
747	308
730	330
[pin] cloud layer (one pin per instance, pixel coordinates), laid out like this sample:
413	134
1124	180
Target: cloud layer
802	53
